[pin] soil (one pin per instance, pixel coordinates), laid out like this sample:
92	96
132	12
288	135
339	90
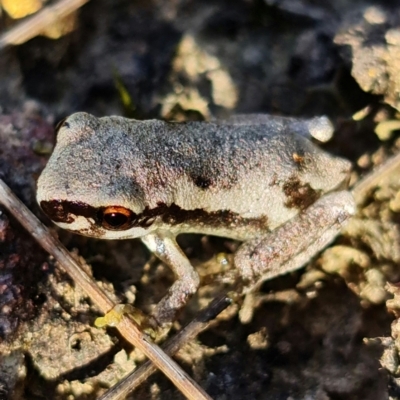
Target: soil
327	331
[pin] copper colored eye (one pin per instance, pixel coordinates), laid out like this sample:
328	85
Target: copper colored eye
116	218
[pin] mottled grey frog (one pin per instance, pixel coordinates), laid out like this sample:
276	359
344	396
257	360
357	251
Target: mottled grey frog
258	179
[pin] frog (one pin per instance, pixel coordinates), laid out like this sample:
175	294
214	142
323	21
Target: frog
258	179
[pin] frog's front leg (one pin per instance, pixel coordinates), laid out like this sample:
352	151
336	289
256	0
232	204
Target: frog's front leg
290	246
164	246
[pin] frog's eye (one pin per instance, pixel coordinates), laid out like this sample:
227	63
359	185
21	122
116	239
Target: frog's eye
116	218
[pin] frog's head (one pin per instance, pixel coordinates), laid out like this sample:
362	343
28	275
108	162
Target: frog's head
86	186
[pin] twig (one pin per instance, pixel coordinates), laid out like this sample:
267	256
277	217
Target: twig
375	177
127	328
34	25
201	322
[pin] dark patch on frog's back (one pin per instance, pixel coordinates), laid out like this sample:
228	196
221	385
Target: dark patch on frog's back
202	182
299	195
62	211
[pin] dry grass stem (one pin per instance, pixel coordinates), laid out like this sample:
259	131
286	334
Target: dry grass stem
375	178
34	25
201	322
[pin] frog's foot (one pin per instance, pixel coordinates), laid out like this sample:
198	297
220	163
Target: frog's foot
147	323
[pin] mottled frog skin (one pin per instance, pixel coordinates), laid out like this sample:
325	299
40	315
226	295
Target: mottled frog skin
116	178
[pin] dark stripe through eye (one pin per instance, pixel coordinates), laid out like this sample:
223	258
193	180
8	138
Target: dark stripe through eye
111	218
118	218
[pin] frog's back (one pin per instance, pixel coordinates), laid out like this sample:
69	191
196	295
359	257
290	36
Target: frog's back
244	174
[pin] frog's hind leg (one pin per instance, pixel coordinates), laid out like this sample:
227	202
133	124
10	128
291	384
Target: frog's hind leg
290	246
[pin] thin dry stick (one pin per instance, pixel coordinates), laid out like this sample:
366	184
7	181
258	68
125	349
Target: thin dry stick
128	329
201	322
373	179
34	25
